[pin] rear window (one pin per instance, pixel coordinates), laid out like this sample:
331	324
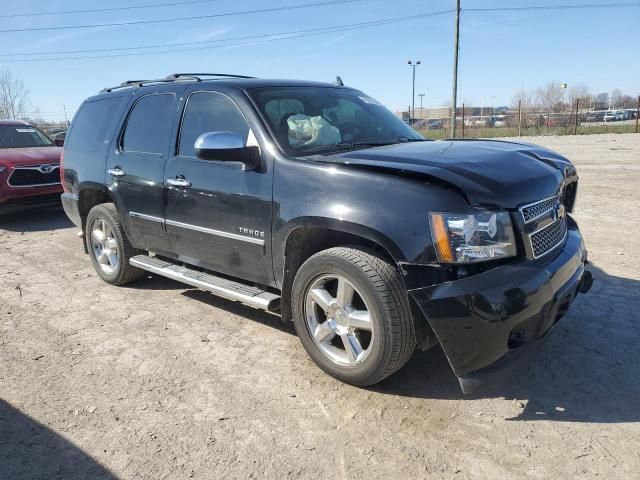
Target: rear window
90	129
149	125
22	136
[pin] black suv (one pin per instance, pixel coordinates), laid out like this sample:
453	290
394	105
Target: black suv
314	201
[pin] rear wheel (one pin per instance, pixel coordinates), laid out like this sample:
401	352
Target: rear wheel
109	247
352	315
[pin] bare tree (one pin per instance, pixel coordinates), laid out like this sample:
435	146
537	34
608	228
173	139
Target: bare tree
601	101
581	93
550	96
14	97
627	101
522	96
616	98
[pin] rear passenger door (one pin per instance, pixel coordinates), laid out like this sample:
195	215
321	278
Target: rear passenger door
220	218
135	168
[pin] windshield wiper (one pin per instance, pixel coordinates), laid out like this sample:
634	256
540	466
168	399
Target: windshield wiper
380	144
363	144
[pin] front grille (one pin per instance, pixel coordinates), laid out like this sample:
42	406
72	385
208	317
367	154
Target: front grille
536	210
548	238
34	176
543	240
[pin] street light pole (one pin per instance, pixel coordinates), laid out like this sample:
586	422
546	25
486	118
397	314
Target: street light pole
454	93
421	95
413	90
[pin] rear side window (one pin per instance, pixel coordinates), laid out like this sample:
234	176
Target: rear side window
149	125
91	125
209	112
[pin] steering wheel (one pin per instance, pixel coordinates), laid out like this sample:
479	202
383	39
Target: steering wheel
350	131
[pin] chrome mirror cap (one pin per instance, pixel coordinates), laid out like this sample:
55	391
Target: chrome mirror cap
227	147
218	141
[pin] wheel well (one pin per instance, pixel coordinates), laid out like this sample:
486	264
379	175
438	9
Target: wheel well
305	242
89	198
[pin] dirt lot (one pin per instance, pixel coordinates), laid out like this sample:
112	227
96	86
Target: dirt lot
156	380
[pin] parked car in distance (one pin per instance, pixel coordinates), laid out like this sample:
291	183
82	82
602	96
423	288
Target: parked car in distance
613	116
435	124
499	121
314	201
59	137
29	162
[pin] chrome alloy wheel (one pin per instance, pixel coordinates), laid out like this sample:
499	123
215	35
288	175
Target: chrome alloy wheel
339	320
104	246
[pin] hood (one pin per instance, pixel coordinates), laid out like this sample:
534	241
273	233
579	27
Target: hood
13	157
488	172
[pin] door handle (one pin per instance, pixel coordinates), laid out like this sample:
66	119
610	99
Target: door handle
179	181
116	172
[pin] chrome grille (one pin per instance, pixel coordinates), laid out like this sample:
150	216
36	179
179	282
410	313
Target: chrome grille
538	209
35	176
542	240
548	238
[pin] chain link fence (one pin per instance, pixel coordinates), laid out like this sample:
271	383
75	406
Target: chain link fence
518	122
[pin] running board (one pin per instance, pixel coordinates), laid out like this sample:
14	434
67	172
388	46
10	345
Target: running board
223	287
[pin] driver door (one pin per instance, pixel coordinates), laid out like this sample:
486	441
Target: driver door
218	215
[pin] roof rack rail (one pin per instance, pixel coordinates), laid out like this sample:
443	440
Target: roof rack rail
132	83
198	75
174	77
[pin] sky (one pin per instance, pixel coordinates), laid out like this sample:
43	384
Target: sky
500	51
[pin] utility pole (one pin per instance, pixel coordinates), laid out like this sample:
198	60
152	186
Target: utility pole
413	91
454	93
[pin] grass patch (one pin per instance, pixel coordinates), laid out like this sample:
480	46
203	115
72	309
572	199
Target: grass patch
529	132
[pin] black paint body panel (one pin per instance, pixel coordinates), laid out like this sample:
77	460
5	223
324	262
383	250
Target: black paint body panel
382	194
474	318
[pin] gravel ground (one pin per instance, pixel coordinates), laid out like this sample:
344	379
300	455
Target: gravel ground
158	380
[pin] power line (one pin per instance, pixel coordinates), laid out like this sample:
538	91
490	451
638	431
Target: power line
112	9
256	39
180	19
552	7
245	37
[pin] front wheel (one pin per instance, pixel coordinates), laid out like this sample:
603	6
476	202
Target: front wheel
109	247
352	315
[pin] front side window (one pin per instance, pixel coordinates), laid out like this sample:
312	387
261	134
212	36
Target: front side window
149	125
209	112
324	120
22	136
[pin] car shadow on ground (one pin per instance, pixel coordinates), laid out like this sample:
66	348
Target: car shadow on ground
269	319
586	371
29	450
35	220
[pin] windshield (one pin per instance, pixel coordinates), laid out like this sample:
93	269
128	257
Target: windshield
22	136
322	120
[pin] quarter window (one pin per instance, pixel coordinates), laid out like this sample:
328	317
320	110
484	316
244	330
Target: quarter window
209	112
92	126
149	124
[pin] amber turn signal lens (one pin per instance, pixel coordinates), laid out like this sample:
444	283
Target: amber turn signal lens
441	238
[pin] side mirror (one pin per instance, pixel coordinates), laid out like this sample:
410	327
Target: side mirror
227	147
59	142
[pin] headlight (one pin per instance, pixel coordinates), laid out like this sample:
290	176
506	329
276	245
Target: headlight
477	237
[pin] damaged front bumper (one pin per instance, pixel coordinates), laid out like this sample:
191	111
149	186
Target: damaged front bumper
487	324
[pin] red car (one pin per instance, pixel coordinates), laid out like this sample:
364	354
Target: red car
29	167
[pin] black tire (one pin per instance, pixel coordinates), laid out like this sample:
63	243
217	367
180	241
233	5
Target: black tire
381	287
123	272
